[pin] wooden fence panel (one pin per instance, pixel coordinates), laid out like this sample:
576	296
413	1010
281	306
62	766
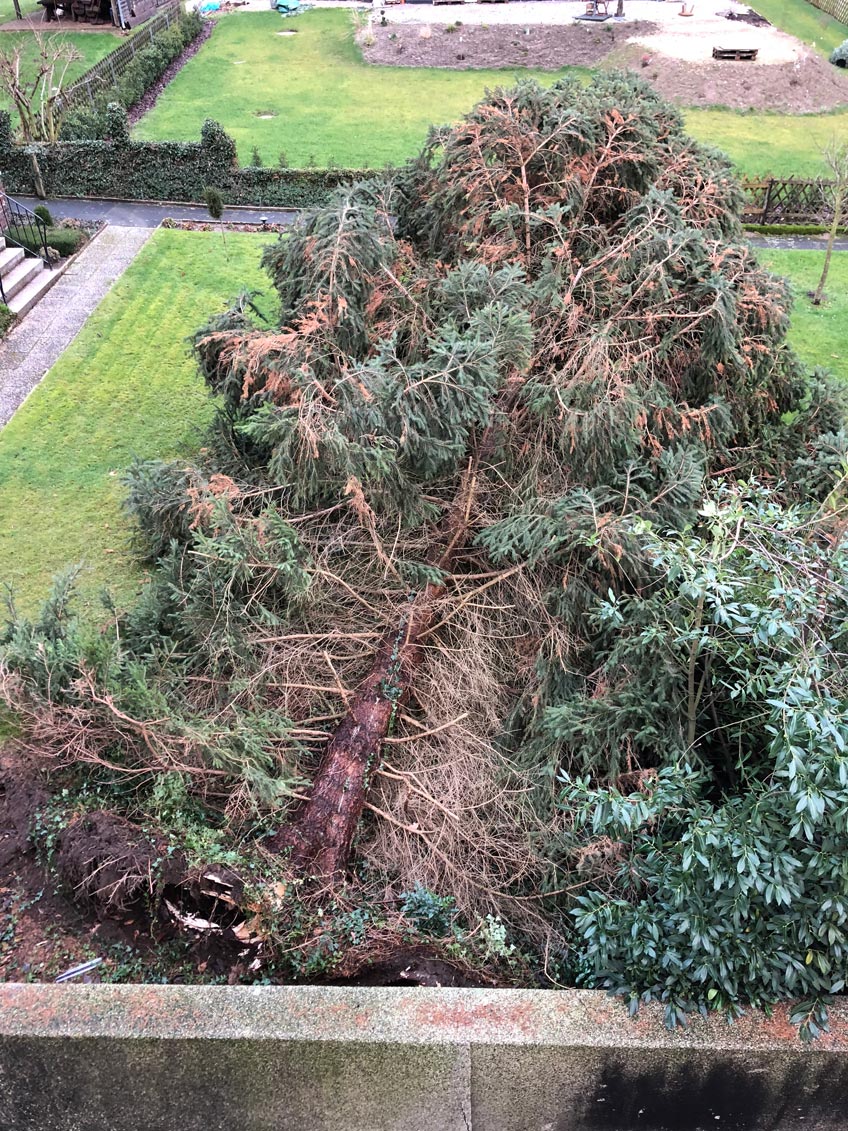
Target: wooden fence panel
836	8
787	201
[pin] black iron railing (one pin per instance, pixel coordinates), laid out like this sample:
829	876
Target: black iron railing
21	227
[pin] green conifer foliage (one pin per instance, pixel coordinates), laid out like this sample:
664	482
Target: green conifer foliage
455	476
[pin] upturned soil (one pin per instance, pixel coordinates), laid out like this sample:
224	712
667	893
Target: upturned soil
808	85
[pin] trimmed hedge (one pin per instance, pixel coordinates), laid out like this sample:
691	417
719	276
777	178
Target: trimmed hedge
168	170
92	122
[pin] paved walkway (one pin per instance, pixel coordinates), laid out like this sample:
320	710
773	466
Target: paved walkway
798	243
133	214
37	342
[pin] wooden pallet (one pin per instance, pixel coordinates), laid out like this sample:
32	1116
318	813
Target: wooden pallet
747	53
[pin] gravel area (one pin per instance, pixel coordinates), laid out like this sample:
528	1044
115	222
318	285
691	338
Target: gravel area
36	343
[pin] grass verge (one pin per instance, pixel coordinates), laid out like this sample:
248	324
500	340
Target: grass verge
126	386
818	333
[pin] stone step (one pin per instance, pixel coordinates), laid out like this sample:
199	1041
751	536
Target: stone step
9	257
21	274
26	299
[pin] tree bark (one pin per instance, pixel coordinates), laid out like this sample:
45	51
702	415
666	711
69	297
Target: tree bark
37	180
831	239
321	835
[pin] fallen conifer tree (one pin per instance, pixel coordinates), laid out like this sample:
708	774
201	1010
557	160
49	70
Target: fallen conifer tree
439	618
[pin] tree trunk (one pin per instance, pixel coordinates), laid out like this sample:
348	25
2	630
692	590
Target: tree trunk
321	835
834	227
37	180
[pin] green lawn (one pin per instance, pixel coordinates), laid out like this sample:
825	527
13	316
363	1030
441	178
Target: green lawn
329	104
805	22
782	144
92	47
819	333
125	387
7	9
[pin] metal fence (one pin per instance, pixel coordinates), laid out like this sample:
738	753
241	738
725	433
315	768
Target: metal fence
787	201
107	72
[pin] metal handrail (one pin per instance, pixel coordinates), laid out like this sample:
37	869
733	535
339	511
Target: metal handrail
14	215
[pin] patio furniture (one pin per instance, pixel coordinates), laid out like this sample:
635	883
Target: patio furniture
596	12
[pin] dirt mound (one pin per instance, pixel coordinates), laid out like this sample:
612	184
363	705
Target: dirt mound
471	46
107	862
808	85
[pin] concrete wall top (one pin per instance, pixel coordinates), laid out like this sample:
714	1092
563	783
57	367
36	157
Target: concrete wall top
405	1016
300	1058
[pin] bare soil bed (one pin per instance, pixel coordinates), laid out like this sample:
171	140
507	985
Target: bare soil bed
811	85
808	85
477	46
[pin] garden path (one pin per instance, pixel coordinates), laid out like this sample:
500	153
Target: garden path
40	338
141	214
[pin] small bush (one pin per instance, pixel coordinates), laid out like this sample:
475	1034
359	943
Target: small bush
839	55
214	202
43	213
6	319
256	158
65	240
92	122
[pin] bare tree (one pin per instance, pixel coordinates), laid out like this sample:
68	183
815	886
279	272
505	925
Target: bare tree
35	88
836	159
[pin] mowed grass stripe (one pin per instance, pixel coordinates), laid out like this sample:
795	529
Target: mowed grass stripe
125	387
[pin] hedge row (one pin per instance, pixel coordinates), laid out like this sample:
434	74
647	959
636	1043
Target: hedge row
169	170
147	65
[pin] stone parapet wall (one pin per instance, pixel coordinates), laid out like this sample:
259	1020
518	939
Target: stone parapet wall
178	1058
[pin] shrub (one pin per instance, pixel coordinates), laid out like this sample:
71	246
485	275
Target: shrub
43	213
214	202
721	878
839	55
6	319
91	121
65	240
